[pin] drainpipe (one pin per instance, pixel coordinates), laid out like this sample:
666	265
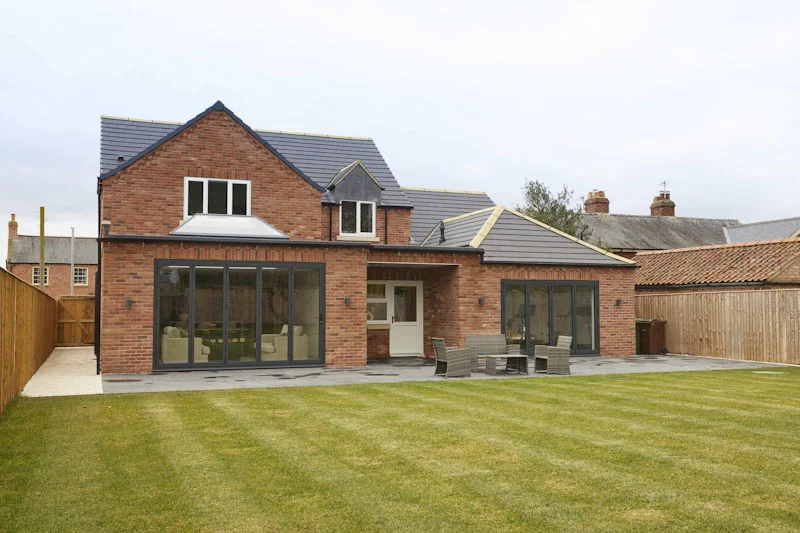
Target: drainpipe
72	262
97	297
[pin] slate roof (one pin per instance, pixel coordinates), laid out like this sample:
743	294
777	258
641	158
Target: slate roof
316	157
507	236
730	263
639	232
763	231
433	205
25	249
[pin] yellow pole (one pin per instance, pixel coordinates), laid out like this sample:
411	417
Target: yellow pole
41	248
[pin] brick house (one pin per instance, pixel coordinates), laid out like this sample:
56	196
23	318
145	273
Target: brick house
626	235
23	261
224	246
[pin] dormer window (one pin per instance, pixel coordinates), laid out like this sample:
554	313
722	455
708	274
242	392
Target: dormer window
216	197
357	218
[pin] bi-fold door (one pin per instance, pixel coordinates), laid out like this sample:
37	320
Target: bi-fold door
238	314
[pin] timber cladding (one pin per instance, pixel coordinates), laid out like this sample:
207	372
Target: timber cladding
754	325
27	334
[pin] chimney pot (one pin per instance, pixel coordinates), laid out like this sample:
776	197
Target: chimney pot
596	202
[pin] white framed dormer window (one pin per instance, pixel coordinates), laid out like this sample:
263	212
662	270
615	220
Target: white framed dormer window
80	276
220	197
357	218
377	303
36	275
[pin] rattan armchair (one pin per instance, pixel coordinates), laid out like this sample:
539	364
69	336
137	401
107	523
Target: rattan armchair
553	359
453	362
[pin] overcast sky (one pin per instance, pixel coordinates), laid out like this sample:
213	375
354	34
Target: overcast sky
611	95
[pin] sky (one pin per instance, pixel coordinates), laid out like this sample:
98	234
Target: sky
610	95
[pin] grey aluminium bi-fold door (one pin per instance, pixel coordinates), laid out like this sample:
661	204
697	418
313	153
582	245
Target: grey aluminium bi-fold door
211	314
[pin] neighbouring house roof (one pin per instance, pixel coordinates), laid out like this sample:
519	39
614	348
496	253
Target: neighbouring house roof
508	236
638	232
25	249
763	231
752	262
202	225
433	205
317	158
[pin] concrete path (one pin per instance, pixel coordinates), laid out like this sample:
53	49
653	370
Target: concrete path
67	372
394	371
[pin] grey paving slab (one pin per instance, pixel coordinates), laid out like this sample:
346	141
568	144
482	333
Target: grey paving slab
394	371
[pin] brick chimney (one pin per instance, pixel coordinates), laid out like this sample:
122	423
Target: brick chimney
662	206
596	202
12	234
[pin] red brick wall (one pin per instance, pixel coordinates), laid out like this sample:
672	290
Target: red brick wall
215	147
58	278
127	334
399	224
377	343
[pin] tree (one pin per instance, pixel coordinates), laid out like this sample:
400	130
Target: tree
554	210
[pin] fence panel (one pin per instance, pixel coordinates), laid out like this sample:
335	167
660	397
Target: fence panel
27	334
748	325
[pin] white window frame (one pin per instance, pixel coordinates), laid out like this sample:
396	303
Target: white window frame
85	271
205	181
358	232
386	299
34	270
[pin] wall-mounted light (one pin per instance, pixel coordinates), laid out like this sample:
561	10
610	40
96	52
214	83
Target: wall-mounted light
481	300
128	303
619	302
347	301
106	227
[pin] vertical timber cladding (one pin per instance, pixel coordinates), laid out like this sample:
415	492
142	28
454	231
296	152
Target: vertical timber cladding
127	335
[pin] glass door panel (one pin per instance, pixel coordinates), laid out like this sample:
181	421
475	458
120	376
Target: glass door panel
306	311
585	319
209	299
241	315
274	314
514	327
562	311
173	315
539	310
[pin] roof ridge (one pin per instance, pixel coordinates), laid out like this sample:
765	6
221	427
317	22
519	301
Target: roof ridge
486	227
132	119
471	213
718	246
765	222
657	218
55	236
453	191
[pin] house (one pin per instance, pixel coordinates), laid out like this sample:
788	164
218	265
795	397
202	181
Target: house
763	231
23	261
626	235
225	246
732	267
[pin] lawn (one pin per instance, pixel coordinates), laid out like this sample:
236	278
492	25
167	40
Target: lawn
680	451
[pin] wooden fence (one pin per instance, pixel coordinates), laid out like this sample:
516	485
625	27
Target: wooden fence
27	334
75	320
752	325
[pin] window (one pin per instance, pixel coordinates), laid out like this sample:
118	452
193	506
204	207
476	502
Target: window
36	275
80	276
221	197
377	303
357	218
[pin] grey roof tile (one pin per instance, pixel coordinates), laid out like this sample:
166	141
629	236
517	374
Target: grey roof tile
25	249
763	231
635	232
431	206
319	157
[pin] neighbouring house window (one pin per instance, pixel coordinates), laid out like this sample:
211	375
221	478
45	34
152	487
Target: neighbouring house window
538	312
221	197
357	218
377	303
36	275
80	276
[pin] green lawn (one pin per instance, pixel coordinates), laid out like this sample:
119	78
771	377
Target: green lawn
680	451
